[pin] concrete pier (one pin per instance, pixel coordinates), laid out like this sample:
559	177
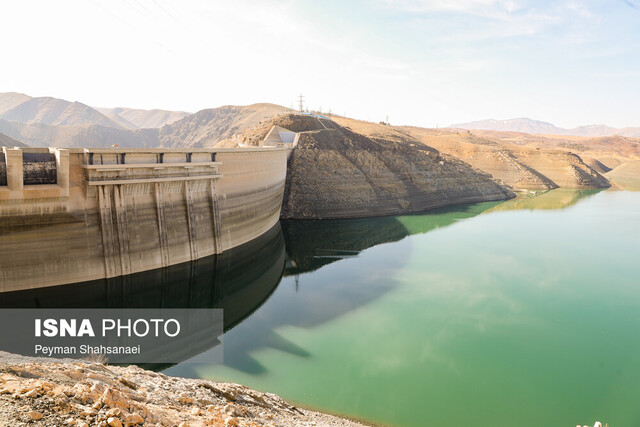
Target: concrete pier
13	159
114	212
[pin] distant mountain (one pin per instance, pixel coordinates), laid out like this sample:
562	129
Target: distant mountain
52	111
142	119
527	125
10	100
513	125
6	141
124	123
43	135
18	107
205	128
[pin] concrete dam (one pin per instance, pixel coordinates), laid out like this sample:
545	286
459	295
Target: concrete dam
74	215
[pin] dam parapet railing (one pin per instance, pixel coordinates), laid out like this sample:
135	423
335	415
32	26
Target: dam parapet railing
70	215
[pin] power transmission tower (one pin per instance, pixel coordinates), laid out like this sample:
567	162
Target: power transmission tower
301	102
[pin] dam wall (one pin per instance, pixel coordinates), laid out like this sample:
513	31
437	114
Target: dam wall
84	214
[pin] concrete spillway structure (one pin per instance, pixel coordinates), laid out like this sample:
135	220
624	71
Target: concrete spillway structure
82	214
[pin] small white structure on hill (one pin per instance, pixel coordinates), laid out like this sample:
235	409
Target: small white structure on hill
280	137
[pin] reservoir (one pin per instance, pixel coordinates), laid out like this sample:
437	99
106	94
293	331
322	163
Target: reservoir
524	312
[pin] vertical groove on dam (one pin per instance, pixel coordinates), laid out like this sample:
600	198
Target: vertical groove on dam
162	230
113	218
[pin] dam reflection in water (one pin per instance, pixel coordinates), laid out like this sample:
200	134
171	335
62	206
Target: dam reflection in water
240	281
237	281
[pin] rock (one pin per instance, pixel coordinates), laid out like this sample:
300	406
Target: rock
156	408
48	386
229	421
31	394
219	392
114	412
236	411
133	419
128	383
60	395
114	399
184	399
87	411
75	374
101	378
35	415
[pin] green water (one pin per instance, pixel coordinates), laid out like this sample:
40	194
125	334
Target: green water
522	313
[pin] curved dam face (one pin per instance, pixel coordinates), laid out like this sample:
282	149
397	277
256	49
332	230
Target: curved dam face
103	213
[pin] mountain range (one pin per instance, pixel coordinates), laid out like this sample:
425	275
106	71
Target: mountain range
132	118
531	126
18	107
52	122
521	153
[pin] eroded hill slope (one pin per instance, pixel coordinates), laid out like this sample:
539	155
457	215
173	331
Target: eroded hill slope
517	166
335	172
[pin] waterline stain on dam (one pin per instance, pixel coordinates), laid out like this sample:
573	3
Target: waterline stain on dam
112	212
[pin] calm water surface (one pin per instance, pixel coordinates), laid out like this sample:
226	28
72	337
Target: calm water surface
518	313
522	313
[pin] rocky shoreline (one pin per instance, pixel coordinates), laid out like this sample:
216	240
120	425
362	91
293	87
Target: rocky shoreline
82	394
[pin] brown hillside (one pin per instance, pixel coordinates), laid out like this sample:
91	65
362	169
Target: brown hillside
9	100
143	119
54	111
207	128
515	164
41	135
519	166
335	172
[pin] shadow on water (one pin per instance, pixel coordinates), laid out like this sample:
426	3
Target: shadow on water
311	295
308	297
312	244
238	281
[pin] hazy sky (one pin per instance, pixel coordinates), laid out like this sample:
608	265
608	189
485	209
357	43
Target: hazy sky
422	62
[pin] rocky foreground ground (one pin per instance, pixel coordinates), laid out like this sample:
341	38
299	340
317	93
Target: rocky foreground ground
93	394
